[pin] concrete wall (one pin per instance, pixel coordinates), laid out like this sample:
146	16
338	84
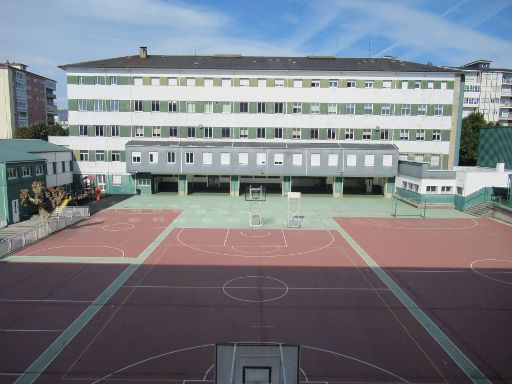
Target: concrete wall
7	121
472	179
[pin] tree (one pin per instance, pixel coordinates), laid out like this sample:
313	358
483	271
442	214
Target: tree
43	200
23	133
470	136
40	131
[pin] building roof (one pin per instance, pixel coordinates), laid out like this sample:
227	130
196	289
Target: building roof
30	146
10	155
239	62
259	144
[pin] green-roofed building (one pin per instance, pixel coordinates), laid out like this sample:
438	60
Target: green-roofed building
495	147
21	163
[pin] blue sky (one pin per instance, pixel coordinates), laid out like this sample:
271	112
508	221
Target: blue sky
44	34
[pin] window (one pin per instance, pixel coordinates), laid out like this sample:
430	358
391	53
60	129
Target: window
297	159
191	132
137	81
173	81
189	157
208	132
153	157
208	107
443	84
262	83
261	158
99	130
100	155
417	85
226	82
331	133
332	160
367	134
431	188
446	189
369	160
297	108
386	84
171	157
333	83
207	158
278	107
387	160
404	134
315	83
297	83
332	109
138	106
405	110
244	107
278	133
114	131
296	133
384	134
226	133
81	80
136	157
244	133
116	180
315	159
262	107
351	160
436	135
385	109
225	158
113	80
278	158
313	133
191	81
101	182
156	131
98	105
418	158
155	81
438	110
368	109
139	131
191	107
422	110
351	83
84	155
12	173
114	105
208	82
244	82
82	130
260	133
405	84
173	106
420	134
226	107
434	160
315	108
155	106
279	83
368	84
402	157
116	156
97	80
349	134
351	109
430	85
243	158
173	131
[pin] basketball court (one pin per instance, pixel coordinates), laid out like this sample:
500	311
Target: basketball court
369	300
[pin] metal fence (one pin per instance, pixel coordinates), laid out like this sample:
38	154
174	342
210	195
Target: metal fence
68	216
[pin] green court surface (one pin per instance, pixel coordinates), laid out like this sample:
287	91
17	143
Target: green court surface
212	210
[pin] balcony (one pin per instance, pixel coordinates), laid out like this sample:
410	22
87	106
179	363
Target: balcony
50	84
50	95
51	109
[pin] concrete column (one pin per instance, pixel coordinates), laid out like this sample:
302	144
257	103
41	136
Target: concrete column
337	186
182	185
234	186
286	185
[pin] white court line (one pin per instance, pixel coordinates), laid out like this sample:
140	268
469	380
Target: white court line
284	237
475	224
265	235
253	287
31	330
75	246
273	248
226	238
45	301
262	326
487	275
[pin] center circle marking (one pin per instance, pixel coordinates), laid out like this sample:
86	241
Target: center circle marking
244	288
482	271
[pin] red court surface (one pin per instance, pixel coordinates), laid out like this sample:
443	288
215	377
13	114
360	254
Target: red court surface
459	271
111	233
205	286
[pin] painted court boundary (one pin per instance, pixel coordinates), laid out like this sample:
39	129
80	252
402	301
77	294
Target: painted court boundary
45	359
464	363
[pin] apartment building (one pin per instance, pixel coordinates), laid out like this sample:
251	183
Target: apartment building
489	91
148	123
27	98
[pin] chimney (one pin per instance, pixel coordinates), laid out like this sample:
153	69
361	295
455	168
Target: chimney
143	53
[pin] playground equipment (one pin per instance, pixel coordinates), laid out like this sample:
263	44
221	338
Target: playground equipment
255	196
294	218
